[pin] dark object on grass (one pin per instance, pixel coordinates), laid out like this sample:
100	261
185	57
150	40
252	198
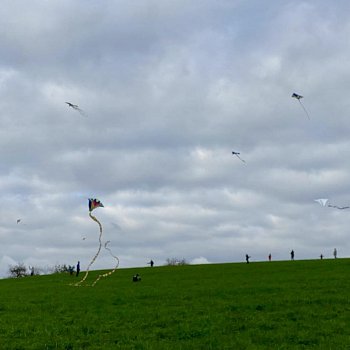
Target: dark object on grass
136	278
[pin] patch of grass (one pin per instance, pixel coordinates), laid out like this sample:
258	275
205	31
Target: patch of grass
279	305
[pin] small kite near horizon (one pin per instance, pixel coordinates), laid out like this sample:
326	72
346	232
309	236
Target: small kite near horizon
299	97
18	221
76	107
237	155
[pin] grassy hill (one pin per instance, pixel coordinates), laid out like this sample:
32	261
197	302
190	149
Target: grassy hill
269	305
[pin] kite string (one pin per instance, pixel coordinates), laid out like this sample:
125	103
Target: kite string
96	255
304	108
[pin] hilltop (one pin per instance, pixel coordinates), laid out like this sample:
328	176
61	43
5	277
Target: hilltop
267	305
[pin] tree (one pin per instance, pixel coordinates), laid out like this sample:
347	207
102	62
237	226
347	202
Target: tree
64	268
18	270
175	262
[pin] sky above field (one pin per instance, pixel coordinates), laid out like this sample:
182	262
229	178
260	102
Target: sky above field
169	89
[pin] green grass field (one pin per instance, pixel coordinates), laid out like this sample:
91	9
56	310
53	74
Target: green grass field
269	305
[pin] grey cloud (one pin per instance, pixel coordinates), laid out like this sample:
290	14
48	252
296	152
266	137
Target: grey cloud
170	89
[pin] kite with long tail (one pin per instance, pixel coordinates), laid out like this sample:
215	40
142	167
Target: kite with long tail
325	202
110	272
93	204
299	97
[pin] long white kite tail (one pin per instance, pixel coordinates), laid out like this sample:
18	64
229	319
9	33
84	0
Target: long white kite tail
110	272
96	255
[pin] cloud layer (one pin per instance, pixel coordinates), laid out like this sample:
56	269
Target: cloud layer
170	89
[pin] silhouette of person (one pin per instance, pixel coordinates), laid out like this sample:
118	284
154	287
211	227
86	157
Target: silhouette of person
335	253
136	278
321	256
151	263
270	257
247	258
78	268
292	255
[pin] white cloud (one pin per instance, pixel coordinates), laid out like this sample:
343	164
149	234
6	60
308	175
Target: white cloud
199	261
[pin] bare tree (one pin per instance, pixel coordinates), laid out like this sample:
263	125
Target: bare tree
18	270
176	262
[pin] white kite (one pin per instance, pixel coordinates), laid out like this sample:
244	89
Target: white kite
322	201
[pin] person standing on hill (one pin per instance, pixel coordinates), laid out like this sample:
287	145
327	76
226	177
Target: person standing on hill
270	257
292	255
78	268
247	258
335	253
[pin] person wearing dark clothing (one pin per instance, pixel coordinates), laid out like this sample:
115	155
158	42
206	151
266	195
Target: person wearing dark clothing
136	278
247	258
78	268
292	255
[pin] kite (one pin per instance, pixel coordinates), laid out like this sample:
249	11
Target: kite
299	97
93	204
237	155
18	221
76	107
324	202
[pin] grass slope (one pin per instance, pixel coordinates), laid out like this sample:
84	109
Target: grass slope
270	305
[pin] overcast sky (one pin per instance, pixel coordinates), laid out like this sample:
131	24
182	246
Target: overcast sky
169	90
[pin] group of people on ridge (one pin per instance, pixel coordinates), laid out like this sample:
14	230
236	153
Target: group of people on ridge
335	253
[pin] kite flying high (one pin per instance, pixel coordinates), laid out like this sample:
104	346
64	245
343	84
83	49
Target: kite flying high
94	203
76	107
237	155
322	201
